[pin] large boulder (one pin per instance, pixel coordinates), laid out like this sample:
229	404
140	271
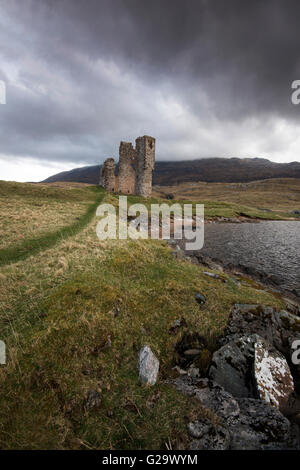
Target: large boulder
231	366
273	379
280	329
148	366
250	367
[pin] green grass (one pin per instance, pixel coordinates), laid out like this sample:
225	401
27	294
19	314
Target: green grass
31	246
56	313
214	209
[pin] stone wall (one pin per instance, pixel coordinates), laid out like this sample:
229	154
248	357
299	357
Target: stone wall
145	148
107	175
127	168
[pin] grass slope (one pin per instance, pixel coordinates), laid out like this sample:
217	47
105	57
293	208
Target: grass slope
277	197
57	314
78	204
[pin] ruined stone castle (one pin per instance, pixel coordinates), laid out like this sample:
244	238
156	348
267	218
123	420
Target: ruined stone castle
134	173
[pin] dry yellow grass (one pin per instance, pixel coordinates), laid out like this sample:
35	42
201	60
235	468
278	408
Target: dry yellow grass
31	210
282	195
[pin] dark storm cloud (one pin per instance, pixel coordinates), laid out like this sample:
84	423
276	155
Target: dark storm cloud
205	77
248	51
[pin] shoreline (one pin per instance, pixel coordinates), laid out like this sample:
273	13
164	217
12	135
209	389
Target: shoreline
242	219
245	275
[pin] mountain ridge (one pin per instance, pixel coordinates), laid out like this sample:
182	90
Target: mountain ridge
213	170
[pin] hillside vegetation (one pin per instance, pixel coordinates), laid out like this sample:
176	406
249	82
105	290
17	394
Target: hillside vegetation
74	316
33	217
267	199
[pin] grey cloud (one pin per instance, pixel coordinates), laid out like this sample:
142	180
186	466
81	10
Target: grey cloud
205	77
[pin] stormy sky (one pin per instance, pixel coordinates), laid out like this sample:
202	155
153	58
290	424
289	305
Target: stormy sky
207	78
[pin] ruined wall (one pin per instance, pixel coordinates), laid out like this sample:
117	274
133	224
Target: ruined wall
134	170
107	175
145	149
127	168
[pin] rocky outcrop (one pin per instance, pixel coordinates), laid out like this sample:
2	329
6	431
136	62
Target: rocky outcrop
250	387
250	367
235	423
275	327
208	436
148	366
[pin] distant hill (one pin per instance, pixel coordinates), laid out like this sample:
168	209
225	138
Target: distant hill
230	170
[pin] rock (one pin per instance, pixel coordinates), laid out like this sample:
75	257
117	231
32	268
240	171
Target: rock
192	352
93	400
231	366
250	367
292	306
207	436
197	429
260	427
179	370
264	209
247	319
207	261
200	298
189	346
178	254
177	325
288	321
235	281
274	382
280	329
213	275
193	371
148	366
211	396
242	423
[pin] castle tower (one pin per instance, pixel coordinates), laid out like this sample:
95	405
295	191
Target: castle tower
127	172
145	150
107	175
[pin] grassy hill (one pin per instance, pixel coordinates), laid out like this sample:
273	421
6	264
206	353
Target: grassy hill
74	314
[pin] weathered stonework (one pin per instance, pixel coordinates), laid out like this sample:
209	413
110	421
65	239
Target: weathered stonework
107	175
134	170
145	148
127	168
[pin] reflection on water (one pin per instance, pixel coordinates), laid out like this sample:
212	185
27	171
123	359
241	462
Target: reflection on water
269	247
